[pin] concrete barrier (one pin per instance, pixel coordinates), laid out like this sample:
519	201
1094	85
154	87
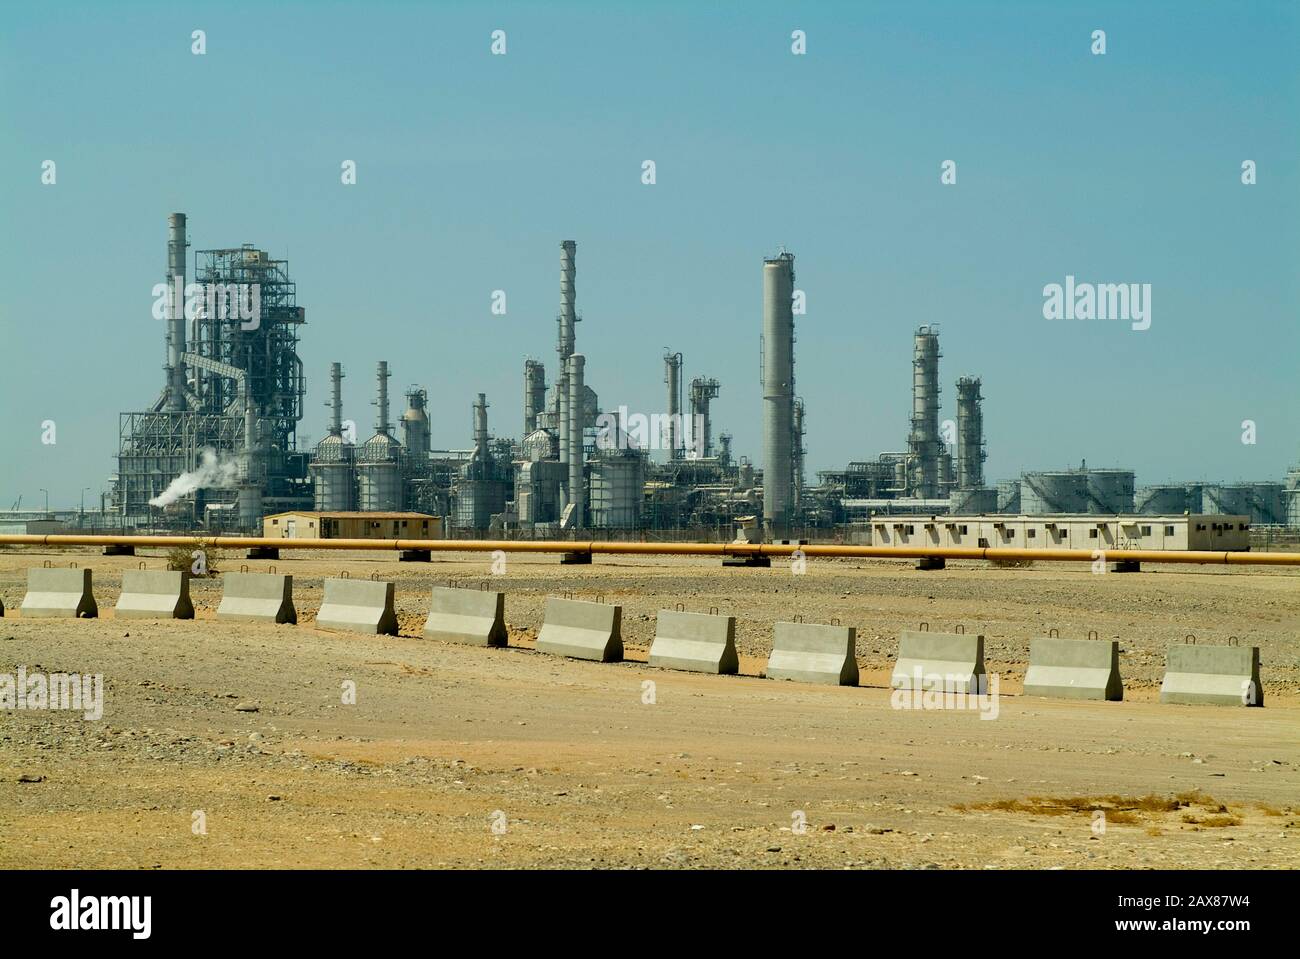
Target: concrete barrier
698	642
1217	675
582	630
951	662
358	605
154	594
1074	669
813	653
53	593
476	617
257	598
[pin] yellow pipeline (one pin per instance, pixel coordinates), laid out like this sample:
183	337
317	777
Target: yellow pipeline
667	549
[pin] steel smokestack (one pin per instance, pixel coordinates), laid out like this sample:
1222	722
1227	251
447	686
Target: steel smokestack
778	393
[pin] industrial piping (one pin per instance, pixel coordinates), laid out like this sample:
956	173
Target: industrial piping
607	547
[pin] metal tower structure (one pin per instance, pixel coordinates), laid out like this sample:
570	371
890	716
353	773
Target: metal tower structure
777	352
234	386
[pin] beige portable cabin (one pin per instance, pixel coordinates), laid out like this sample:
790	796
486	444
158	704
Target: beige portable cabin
351	525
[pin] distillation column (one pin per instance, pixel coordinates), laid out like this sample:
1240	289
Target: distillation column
567	335
703	390
176	312
577	487
673	377
923	443
534	394
970	434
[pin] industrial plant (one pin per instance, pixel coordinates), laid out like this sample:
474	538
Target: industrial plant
217	448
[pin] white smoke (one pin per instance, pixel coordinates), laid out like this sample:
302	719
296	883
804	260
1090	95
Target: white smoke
214	472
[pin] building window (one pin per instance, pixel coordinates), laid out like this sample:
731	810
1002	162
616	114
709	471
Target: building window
963	530
1146	530
424	524
1032	534
1169	531
910	530
275	522
1092	534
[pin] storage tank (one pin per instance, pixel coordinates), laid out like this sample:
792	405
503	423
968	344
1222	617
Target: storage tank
1065	491
1269	507
1009	496
379	473
1228	498
332	468
1167	500
1110	492
476	500
979	499
1293	508
333	476
617	490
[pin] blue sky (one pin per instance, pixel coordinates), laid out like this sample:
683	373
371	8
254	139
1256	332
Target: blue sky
471	168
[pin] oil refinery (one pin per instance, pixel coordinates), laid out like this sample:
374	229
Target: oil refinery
217	448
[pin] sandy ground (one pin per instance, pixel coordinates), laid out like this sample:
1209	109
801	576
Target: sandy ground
467	757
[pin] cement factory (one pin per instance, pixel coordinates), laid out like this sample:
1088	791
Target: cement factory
217	448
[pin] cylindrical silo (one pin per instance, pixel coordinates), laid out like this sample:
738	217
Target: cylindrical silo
379	475
778	394
616	492
332	469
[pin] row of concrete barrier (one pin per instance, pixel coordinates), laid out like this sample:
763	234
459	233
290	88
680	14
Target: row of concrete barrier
696	642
